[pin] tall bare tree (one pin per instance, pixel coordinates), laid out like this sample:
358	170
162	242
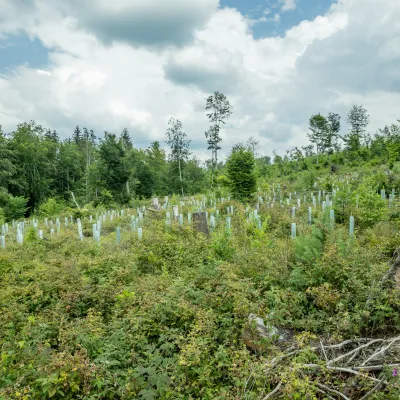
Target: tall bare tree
219	110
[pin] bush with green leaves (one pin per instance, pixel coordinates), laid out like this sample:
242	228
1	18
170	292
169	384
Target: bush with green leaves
13	207
371	207
52	207
164	317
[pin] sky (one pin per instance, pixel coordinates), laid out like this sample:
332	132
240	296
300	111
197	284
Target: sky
136	63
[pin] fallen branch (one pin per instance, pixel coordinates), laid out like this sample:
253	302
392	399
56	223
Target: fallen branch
323	350
340	369
320	385
276	390
393	268
277	360
354	351
152	209
373	390
325	394
374	367
390	274
346	342
339	358
382	350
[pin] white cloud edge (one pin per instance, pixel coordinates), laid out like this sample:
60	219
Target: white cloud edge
268	65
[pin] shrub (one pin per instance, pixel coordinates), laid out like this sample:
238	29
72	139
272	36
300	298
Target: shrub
13	207
371	207
51	208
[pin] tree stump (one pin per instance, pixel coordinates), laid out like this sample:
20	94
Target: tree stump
200	222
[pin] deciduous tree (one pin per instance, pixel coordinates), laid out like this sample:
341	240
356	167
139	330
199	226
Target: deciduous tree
219	111
177	141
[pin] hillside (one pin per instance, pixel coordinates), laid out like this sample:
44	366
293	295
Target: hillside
167	315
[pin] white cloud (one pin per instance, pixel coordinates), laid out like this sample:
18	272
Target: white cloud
288	5
274	84
139	22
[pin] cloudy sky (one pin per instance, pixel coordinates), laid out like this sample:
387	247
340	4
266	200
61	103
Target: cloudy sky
109	64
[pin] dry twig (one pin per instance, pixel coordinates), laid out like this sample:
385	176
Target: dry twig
354	351
373	390
320	385
276	390
382	350
340	369
323	350
325	394
346	342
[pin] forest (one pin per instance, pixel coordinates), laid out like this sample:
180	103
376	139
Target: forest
35	164
290	289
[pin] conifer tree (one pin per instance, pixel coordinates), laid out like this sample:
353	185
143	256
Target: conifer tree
240	166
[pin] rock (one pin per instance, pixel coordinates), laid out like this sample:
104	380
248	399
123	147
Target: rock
258	336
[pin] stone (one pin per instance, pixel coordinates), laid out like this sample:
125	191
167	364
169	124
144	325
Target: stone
257	336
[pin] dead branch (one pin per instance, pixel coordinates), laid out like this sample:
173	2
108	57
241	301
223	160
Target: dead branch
340	369
389	276
373	390
73	199
152	209
325	394
275	361
323	350
348	357
320	385
357	350
374	367
346	342
382	350
395	265
352	357
276	390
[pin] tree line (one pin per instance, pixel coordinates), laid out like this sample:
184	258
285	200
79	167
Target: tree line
35	164
329	146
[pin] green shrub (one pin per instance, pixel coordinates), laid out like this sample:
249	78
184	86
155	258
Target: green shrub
308	248
223	246
13	207
52	207
371	207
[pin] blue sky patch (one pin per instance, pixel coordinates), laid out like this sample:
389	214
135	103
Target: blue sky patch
273	26
16	50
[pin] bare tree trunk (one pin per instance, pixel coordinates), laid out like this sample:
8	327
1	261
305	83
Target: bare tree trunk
213	164
87	165
73	199
180	174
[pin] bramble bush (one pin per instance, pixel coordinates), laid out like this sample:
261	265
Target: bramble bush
163	318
